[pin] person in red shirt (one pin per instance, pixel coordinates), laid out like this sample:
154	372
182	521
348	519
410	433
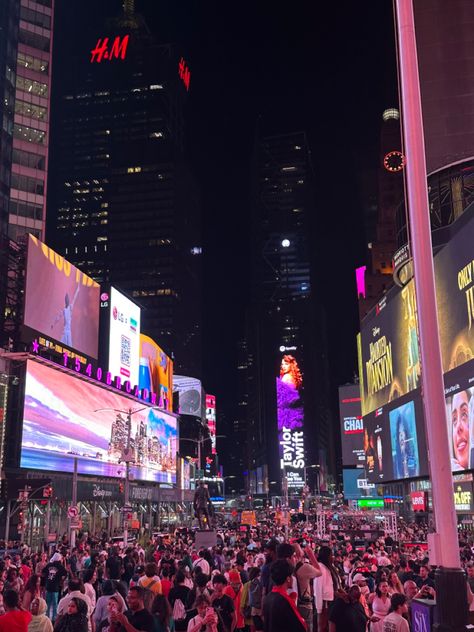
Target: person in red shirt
15	619
26	569
166	584
234	591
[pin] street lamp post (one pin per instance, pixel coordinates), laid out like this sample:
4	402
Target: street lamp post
450	580
199	442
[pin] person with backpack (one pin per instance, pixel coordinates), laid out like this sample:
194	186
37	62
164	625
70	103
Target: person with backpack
161	610
151	584
251	602
178	597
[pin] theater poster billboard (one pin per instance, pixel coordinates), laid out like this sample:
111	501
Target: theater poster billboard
390	360
290	415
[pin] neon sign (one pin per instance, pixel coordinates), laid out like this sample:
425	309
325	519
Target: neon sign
97	374
184	73
117	50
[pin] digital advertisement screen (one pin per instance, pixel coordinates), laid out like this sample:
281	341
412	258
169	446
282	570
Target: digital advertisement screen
390	358
64	419
355	484
454	273
395	440
290	415
156	372
352	426
124	337
211	421
61	302
190	395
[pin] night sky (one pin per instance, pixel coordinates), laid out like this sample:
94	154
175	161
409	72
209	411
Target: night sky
328	69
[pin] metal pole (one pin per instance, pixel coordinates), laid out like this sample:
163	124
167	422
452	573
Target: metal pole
127	481
74	503
451	585
7	525
47	521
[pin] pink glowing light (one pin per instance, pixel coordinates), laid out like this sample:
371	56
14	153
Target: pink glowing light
360	280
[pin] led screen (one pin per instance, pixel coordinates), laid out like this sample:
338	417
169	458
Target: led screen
61	302
352	426
124	337
405	459
156	372
60	424
190	395
211	421
355	485
290	415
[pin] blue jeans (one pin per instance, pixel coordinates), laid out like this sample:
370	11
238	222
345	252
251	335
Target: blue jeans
52	599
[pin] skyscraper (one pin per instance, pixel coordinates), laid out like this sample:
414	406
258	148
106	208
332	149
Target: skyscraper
124	205
284	317
29	171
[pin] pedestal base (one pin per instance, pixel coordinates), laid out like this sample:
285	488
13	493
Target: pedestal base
451	613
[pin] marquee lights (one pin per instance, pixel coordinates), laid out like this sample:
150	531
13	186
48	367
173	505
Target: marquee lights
118	49
184	73
104	377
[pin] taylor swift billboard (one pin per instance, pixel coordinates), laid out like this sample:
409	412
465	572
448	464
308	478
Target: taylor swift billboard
290	415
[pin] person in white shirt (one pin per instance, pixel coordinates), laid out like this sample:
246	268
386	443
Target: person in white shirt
394	621
75	588
203	563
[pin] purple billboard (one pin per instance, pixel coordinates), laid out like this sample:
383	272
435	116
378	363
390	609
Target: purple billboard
290	414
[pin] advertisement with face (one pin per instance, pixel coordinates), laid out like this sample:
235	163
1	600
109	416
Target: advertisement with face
290	415
156	372
190	395
390	359
352	425
211	421
460	419
61	302
65	418
405	459
124	337
377	447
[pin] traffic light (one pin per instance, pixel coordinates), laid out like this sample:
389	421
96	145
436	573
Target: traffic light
48	491
121	488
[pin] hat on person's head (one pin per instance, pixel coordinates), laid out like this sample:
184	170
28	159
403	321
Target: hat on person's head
358	577
57	557
271	545
234	577
140	569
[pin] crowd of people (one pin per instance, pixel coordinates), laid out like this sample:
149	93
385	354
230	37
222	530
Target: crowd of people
264	579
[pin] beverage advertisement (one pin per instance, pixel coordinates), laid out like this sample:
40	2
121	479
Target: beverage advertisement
156	372
124	337
67	418
290	415
61	302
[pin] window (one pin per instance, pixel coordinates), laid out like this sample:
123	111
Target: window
21	132
33	111
30	185
34	40
27	159
32	86
33	63
23	209
36	18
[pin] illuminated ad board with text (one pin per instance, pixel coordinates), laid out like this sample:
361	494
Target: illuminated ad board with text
390	357
124	337
211	421
290	416
61	302
395	440
64	419
352	426
156	372
190	395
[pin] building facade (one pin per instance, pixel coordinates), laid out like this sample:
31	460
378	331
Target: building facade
124	204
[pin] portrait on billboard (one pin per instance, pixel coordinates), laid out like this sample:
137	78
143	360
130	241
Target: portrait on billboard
377	447
66	418
460	420
290	417
61	302
405	456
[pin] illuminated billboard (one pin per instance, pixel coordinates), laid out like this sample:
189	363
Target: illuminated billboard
211	421
124	337
156	372
190	395
61	302
64	419
290	415
352	426
390	360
